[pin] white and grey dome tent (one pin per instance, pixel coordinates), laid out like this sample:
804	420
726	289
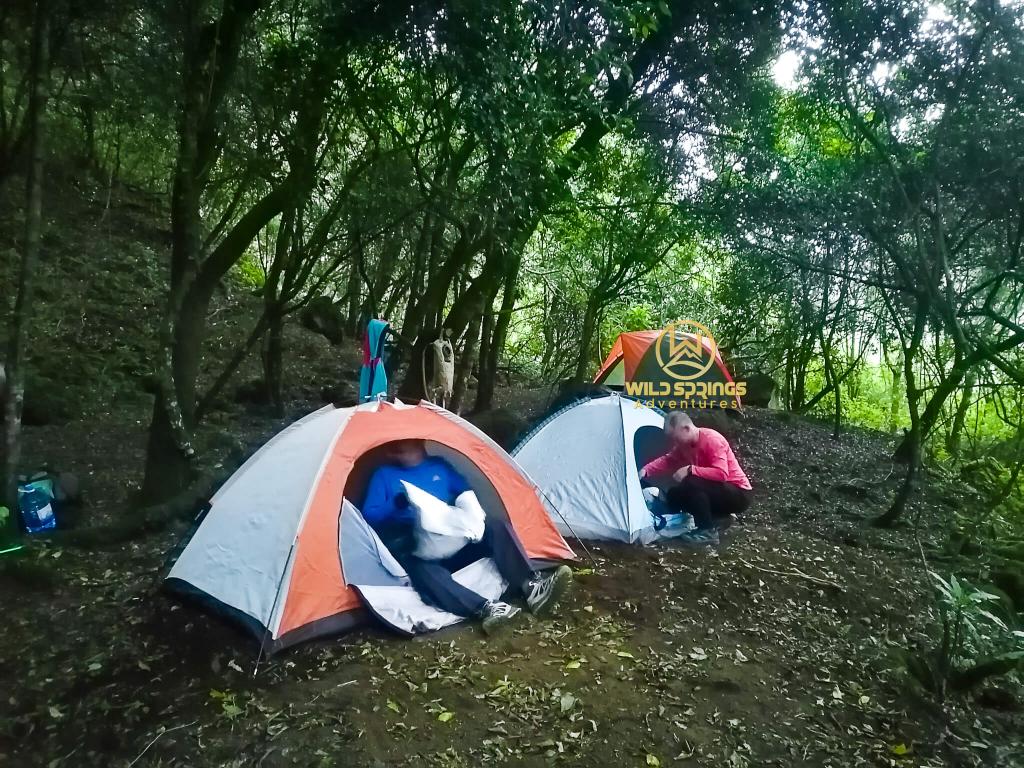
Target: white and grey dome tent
586	460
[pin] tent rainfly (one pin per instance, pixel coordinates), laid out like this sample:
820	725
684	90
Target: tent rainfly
284	549
585	459
633	360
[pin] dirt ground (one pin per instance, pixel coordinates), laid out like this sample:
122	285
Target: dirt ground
785	647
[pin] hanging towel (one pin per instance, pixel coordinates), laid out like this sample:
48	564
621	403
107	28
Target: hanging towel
372	378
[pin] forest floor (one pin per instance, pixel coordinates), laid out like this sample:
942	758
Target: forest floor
784	647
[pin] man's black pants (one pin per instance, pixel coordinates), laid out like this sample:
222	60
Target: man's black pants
433	580
709	501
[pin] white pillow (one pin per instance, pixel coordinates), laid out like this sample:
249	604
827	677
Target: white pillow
442	529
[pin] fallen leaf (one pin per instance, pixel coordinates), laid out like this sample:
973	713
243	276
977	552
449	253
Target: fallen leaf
567	702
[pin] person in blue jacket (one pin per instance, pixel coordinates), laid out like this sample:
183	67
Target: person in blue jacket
387	510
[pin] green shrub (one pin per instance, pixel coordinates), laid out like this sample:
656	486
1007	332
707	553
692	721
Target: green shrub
974	643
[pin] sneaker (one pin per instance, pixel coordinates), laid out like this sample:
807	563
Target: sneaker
546	590
699	538
496	615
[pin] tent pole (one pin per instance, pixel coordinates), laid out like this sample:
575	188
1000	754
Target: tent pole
273	609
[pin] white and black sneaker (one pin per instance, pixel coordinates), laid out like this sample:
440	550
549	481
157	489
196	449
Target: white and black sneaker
546	590
496	614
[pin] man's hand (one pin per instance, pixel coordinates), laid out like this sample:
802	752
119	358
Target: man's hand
643	473
682	473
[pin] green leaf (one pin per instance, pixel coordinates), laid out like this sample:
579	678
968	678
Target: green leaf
994	619
445	716
652	760
393	706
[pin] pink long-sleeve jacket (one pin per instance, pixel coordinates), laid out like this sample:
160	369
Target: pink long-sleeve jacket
712	459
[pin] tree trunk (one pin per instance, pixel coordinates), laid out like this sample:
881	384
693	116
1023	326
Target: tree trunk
496	341
21	320
933	409
960	416
586	339
464	366
354	301
469	305
168	467
273	359
486	334
799	383
832	382
209	63
909	449
416	276
169	452
912	447
895	391
548	330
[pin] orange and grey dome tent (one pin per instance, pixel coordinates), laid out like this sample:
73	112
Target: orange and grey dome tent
284	549
634	358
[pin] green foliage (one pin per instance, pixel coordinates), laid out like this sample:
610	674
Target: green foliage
250	272
8	531
975	643
621	319
999	512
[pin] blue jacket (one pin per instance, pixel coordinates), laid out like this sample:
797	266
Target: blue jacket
385	507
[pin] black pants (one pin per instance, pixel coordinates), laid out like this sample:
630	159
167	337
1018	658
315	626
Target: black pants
433	578
709	501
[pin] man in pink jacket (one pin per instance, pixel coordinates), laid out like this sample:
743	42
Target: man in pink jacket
699	475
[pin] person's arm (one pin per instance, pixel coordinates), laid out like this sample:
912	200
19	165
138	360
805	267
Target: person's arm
382	509
659	466
714	461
